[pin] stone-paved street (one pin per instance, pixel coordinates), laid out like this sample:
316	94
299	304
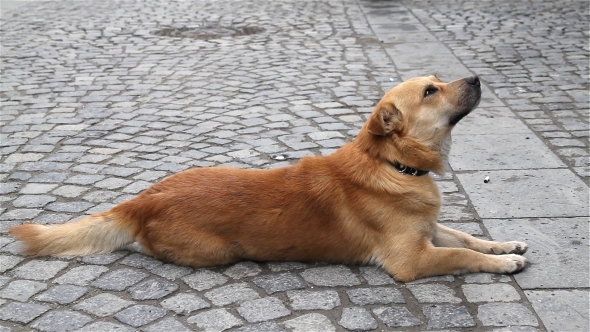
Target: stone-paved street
95	107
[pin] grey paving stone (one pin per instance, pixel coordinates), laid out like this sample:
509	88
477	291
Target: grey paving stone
152	289
184	303
279	282
81	275
215	320
505	314
204	279
447	316
498	152
32	201
309	322
62	294
21	312
378	295
7	262
140	315
171	272
336	275
561	310
20	214
105	327
69	191
285	266
263	309
490	293
376	276
60	320
242	270
4	280
37	188
103	305
261	327
312	300
40	270
112	183
231	293
526	193
84	179
396	316
119	279
557	250
74	207
21	290
103	259
479	278
357	319
167	324
433	293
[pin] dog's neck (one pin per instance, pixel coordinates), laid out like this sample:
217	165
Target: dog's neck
445	149
407	170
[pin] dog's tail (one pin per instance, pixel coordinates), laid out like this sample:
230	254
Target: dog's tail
98	233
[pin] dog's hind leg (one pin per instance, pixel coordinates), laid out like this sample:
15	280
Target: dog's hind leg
448	237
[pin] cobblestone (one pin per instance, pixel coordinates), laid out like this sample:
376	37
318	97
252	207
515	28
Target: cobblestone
447	315
215	320
140	315
95	108
60	320
396	316
185	303
62	294
310	322
103	304
204	279
231	293
311	300
330	276
505	314
119	280
22	290
81	275
264	309
380	295
279	282
21	312
152	289
357	318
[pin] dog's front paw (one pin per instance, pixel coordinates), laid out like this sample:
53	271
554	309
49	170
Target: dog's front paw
516	247
512	263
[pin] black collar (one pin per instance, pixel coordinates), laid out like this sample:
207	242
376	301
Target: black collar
407	170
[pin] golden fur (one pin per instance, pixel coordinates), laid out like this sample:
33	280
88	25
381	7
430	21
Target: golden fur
352	206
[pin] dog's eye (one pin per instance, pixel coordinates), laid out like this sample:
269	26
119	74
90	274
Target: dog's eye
430	91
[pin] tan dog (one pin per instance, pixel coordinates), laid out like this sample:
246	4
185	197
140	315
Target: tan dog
370	201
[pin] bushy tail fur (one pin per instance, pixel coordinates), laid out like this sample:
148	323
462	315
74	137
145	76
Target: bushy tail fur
98	233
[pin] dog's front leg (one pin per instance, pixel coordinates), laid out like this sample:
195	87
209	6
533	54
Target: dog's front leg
427	260
448	237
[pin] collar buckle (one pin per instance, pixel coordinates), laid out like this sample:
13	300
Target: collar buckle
407	170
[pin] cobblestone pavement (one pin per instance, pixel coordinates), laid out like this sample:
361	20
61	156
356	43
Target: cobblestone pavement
95	107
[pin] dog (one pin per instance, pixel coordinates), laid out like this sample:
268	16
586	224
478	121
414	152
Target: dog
371	201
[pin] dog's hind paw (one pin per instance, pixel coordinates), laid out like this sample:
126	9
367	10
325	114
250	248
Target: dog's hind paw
512	263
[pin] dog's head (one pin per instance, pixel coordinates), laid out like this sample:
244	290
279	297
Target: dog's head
413	121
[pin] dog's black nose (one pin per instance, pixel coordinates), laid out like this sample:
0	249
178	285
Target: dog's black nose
473	80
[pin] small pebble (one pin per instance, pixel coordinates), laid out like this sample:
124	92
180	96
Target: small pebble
278	157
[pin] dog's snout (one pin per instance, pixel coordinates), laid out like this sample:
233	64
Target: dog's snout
473	80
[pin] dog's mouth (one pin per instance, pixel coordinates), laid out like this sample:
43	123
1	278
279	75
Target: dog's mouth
455	118
469	99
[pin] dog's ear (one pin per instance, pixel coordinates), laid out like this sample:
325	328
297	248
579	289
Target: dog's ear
384	120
